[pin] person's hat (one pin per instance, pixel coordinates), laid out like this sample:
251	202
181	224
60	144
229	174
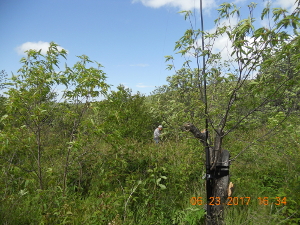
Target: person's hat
160	126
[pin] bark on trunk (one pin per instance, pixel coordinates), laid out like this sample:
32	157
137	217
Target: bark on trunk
220	188
219	160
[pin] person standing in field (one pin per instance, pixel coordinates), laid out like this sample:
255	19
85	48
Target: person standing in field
157	134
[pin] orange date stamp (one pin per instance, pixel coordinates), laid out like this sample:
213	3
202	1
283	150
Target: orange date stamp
275	201
239	201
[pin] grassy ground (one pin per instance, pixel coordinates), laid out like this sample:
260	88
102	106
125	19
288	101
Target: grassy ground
144	183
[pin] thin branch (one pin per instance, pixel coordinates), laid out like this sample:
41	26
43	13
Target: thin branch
261	138
266	100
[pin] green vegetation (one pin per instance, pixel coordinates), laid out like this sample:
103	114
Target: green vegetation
82	161
140	183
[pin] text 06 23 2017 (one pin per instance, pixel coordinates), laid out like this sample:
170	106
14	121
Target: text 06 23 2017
239	201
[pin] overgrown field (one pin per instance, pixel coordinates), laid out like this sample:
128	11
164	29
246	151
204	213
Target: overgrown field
89	157
129	182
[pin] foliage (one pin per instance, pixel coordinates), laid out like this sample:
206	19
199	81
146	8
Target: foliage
178	102
84	161
3	76
125	187
32	115
233	94
125	115
254	86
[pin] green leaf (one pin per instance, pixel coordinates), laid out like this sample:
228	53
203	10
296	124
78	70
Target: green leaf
163	187
158	180
168	57
169	66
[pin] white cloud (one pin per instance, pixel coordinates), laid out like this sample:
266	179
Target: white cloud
141	85
222	44
140	65
35	46
287	4
238	1
181	4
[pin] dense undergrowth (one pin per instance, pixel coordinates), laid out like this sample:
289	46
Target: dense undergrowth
84	161
142	183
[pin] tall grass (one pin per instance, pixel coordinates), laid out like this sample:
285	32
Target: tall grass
129	182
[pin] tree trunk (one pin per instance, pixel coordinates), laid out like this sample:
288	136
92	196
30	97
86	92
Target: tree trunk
220	185
219	175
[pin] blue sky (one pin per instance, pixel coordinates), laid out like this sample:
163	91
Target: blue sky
128	37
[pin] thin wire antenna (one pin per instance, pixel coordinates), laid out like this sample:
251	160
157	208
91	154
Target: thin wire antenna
208	175
163	49
195	13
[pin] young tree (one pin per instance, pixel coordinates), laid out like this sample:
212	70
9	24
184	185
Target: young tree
86	84
235	80
32	113
29	105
